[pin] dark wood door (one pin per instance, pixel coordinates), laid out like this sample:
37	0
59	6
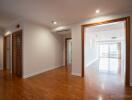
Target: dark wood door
7	52
17	53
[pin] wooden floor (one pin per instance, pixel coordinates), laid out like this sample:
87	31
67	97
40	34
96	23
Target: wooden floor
58	84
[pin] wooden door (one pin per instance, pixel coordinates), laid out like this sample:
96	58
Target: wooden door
7	52
17	53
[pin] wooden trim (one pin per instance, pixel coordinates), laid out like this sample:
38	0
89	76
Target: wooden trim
66	39
82	29
127	20
4	52
127	76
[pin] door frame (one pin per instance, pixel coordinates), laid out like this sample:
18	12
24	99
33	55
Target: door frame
4	52
127	28
66	39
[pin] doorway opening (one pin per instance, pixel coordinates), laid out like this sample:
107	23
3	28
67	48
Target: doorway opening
13	54
68	53
106	50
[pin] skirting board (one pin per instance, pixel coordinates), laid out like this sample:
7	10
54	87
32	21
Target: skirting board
39	72
76	74
91	62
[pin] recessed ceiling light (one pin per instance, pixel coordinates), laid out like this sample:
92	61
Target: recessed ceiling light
97	11
54	22
7	33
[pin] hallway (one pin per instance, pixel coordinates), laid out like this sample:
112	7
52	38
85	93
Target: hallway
59	85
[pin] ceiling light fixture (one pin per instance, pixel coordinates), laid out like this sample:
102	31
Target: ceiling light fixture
54	22
97	11
7	33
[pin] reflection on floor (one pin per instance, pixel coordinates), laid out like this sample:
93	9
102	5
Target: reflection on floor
69	68
103	73
106	80
106	65
58	84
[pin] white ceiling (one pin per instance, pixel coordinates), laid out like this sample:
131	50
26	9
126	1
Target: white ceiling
1	31
107	31
65	12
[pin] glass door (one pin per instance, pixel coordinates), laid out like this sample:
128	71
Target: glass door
114	58
109	56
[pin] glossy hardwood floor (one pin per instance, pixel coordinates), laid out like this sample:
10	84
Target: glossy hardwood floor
58	84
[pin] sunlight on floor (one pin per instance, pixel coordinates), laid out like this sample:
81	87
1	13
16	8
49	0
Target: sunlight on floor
109	65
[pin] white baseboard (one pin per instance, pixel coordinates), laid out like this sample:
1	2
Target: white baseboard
76	74
91	62
39	72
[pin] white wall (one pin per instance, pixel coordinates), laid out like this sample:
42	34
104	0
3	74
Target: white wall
90	49
76	50
1	51
42	50
77	45
123	57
